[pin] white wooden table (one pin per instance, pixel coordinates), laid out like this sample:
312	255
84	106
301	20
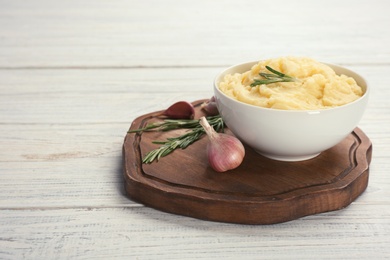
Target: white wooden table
75	74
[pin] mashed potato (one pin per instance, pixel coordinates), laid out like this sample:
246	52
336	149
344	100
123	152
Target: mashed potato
317	86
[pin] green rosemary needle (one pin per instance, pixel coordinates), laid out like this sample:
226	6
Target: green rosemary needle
168	124
275	76
182	141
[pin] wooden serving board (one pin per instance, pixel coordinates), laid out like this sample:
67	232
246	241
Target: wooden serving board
259	191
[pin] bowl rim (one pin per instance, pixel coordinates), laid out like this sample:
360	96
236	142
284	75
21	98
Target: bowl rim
310	111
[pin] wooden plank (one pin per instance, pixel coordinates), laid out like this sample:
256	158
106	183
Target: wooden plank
142	233
126	33
106	81
52	165
102	96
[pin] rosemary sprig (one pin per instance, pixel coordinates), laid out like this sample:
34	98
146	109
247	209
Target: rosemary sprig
182	141
168	124
275	76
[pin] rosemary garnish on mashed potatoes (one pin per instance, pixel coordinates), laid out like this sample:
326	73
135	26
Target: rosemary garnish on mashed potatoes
275	76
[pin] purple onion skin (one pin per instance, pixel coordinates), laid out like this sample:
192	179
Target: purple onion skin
180	110
225	152
210	107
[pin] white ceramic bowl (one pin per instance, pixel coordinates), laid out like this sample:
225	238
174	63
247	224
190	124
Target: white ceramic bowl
289	135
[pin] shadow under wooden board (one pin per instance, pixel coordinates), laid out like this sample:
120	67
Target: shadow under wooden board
259	191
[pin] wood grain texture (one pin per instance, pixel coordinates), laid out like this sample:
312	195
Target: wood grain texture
75	74
131	233
259	191
88	34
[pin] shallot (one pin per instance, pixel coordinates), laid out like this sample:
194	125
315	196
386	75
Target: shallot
225	152
180	110
210	107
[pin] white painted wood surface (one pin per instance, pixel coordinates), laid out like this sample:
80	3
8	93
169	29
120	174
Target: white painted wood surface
73	76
